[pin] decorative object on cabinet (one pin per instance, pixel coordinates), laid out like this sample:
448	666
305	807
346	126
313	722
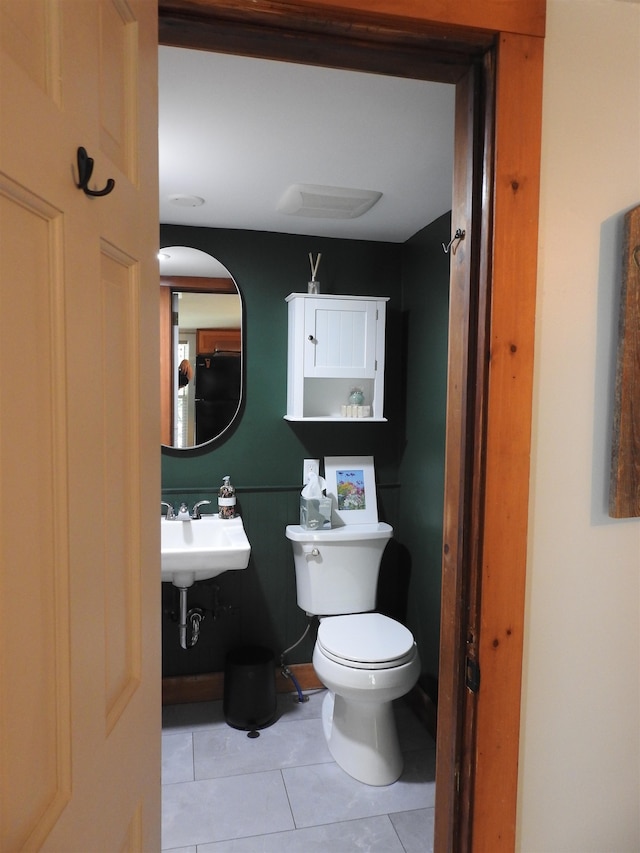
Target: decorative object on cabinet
335	344
313	286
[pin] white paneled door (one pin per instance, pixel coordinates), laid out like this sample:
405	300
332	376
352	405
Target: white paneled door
79	428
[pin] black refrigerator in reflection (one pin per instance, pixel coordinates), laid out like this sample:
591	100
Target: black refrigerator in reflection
217	386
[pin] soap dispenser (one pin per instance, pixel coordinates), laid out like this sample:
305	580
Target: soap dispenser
226	499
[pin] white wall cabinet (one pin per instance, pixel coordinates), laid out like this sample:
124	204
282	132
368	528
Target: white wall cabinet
336	343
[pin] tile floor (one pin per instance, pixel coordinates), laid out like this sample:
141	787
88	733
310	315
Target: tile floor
224	792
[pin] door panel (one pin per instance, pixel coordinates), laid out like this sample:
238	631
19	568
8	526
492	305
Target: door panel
28	34
79	429
120	477
118	53
34	620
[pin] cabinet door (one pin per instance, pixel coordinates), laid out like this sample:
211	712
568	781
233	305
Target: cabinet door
340	338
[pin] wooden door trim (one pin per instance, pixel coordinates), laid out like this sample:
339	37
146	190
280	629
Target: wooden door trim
507	260
463	26
510	353
352	39
464	470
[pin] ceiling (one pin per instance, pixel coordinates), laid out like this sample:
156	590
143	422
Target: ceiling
238	132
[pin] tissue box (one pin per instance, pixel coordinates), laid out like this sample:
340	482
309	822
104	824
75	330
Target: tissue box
315	514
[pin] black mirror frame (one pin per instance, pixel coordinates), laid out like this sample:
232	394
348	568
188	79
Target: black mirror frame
221	438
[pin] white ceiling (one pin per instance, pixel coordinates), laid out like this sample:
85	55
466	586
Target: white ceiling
185	260
238	132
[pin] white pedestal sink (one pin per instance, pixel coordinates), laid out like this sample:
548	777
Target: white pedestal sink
202	548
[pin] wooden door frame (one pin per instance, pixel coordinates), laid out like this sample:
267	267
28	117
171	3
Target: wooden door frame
487	478
468	370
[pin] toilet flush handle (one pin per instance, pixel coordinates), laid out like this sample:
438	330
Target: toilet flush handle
310	552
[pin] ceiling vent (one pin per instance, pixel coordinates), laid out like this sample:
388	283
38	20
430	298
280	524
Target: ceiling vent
186	200
326	202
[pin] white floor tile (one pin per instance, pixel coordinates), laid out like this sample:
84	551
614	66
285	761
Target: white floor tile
415	830
191	849
371	835
223	791
290	708
324	793
216	809
224	751
177	758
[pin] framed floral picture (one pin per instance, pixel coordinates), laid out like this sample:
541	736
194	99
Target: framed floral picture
351	482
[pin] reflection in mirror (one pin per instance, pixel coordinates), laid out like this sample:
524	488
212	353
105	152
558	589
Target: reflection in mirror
201	347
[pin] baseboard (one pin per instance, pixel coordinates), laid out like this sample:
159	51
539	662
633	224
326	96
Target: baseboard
209	686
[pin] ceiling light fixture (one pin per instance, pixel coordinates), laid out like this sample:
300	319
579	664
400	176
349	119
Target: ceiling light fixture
186	200
313	200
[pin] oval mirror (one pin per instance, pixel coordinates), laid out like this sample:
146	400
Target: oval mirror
201	341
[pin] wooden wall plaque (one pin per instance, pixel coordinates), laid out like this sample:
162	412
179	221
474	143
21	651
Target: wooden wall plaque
624	493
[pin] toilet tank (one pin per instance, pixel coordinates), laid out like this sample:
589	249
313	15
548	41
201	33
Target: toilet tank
337	570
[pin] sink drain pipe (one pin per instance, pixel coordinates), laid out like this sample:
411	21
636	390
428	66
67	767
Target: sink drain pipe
188	618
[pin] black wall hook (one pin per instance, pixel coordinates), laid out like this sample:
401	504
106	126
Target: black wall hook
85	168
457	237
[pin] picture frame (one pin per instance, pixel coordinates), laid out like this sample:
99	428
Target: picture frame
351	483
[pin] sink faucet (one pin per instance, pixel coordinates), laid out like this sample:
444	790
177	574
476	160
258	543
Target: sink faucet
183	513
195	512
171	513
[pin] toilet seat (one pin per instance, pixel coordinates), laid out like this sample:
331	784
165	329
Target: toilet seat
365	641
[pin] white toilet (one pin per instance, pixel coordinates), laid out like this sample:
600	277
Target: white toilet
365	659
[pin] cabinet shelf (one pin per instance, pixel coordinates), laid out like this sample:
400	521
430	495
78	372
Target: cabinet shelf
328	418
336	343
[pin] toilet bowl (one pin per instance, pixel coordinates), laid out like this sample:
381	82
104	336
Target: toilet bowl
365	659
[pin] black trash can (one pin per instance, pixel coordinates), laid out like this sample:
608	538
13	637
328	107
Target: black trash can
249	688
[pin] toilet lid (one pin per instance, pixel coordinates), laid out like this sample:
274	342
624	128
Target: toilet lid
366	640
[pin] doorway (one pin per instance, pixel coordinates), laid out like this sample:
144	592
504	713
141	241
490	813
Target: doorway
472	516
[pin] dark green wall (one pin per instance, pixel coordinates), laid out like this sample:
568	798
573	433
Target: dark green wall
425	288
264	453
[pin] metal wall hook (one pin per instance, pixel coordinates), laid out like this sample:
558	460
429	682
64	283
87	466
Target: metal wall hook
457	237
85	169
